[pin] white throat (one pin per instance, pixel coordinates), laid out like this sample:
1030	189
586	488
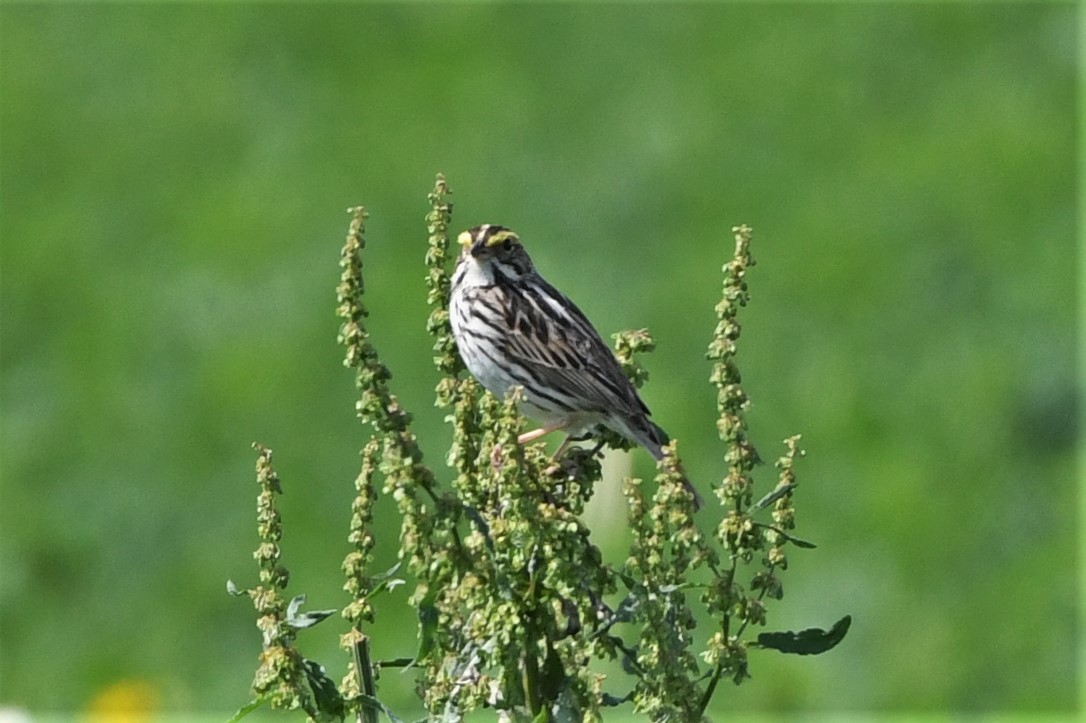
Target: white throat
474	273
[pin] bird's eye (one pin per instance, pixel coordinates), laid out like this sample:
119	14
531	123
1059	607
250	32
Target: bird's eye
507	244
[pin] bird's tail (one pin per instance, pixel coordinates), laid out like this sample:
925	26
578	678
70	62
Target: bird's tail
654	438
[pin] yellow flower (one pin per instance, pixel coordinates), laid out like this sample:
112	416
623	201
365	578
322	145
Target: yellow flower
125	701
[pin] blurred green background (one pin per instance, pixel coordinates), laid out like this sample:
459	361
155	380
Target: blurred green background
174	180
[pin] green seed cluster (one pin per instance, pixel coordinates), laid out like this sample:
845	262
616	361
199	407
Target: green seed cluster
280	678
667	546
516	604
513	620
428	532
741	537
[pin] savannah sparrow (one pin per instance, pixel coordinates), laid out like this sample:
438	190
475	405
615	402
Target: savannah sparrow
513	328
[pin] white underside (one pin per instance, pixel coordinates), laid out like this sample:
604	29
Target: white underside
495	379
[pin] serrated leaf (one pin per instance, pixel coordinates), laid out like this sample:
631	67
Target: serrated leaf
811	641
247	709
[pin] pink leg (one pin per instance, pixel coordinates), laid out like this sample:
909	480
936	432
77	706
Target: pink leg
537	433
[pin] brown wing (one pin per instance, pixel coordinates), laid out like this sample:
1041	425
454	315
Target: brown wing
557	344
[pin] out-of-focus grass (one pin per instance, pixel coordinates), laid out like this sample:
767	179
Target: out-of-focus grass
173	182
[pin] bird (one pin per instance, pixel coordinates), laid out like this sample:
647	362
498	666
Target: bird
513	328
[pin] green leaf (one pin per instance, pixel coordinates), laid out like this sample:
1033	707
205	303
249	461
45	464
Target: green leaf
553	675
628	581
427	626
388	573
385	585
811	641
309	619
773	496
247	709
801	543
234	590
325	693
612	701
384	581
299	620
480	524
624	613
794	540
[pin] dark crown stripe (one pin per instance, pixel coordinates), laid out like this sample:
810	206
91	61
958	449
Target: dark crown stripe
489	234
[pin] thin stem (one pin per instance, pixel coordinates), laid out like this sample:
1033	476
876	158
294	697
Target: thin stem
531	674
709	691
364	666
724	627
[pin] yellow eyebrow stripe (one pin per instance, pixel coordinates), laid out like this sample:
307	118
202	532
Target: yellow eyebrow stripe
499	237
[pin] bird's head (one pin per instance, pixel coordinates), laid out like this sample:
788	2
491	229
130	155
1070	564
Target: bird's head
495	249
